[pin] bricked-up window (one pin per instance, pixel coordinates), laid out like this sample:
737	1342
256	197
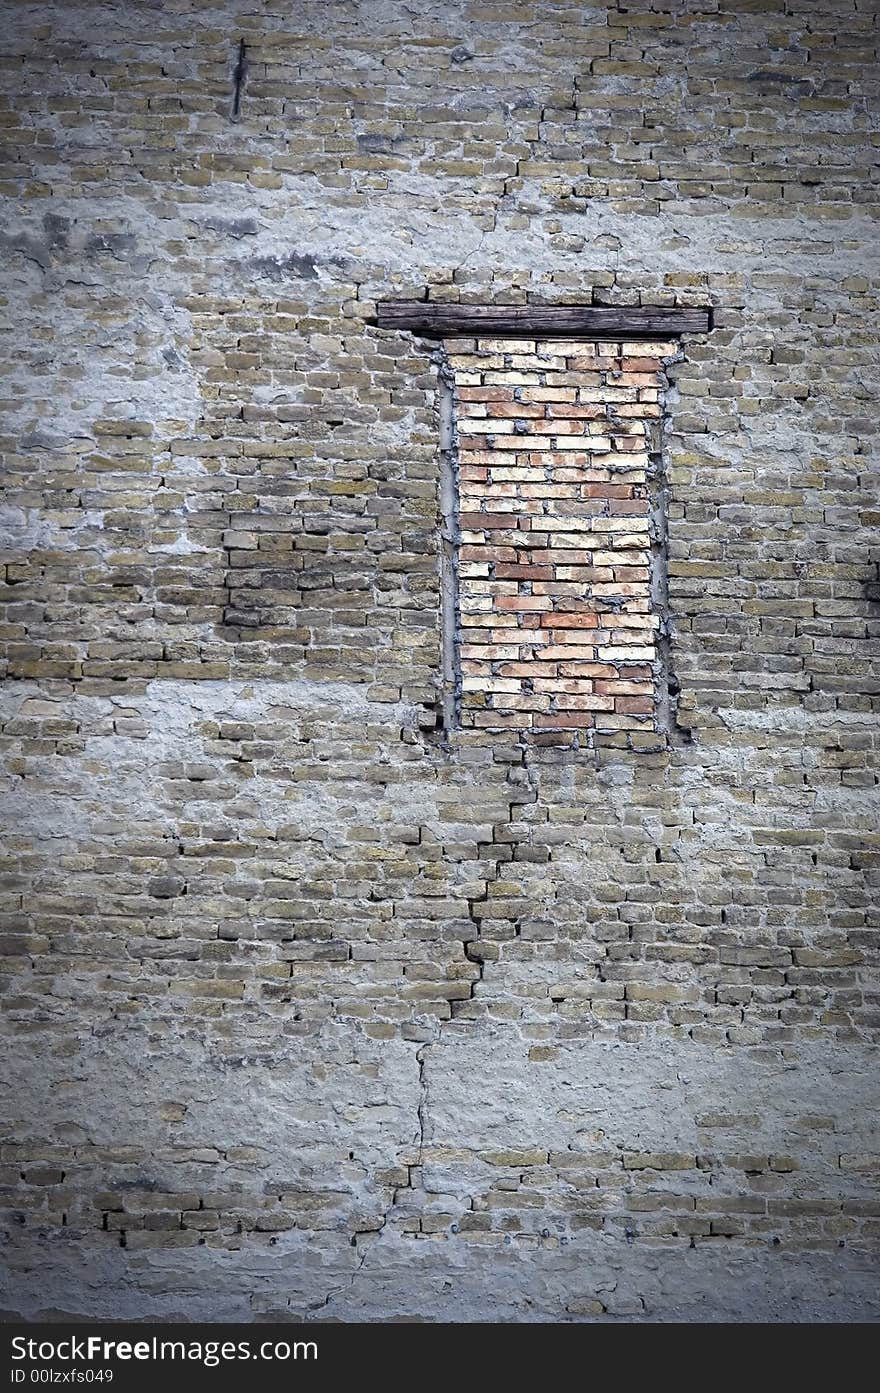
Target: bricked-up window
553	497
560	512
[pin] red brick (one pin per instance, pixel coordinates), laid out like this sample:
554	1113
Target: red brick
506	572
488	521
633	705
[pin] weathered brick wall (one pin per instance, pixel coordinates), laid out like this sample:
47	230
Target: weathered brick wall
313	1005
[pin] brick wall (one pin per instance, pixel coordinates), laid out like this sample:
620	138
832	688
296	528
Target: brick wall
558	452
312	1007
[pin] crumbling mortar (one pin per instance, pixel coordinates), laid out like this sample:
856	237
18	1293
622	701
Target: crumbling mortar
666	684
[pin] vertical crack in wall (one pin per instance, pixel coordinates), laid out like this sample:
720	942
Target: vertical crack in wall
239	74
666	687
422	1109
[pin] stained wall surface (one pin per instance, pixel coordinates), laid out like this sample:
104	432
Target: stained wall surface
313	1007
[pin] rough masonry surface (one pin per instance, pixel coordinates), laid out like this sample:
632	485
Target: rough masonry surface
314	1006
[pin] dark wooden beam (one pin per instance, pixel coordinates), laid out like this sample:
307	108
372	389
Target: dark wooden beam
548	321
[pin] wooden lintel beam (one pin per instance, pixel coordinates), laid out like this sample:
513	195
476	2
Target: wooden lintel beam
550	321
